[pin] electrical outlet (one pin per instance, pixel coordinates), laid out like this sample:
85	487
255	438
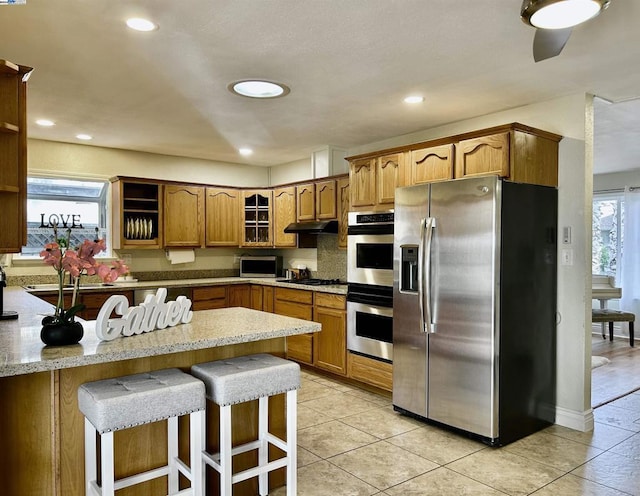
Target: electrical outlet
236	260
126	258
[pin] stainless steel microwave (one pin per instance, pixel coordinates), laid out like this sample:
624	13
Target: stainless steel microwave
261	266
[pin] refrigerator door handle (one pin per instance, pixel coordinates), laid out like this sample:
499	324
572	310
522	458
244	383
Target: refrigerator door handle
424	272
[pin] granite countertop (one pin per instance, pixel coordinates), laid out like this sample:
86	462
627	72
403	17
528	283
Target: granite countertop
22	352
265	281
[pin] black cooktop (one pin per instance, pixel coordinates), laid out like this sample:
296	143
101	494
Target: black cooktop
313	282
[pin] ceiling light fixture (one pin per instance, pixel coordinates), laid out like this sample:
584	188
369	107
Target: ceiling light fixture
85	137
414	99
560	14
245	151
256	88
45	123
140	24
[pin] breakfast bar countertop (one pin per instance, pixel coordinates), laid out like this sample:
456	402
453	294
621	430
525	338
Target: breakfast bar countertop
22	351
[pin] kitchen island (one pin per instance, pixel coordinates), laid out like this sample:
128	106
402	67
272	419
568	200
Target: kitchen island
41	428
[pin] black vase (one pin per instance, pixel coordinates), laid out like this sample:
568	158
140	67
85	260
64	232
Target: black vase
61	333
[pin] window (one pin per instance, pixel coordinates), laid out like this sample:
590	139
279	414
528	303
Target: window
607	229
73	204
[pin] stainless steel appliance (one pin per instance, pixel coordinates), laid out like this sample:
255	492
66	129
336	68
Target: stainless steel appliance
370	320
261	266
370	248
370	279
474	301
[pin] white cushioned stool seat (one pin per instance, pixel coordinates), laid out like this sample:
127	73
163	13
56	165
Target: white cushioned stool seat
247	378
111	405
241	379
123	402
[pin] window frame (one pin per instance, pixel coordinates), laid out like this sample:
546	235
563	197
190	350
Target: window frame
26	260
618	196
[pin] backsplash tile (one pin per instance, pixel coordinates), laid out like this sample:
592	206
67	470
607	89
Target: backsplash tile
332	261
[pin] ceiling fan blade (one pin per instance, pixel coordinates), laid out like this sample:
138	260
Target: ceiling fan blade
548	43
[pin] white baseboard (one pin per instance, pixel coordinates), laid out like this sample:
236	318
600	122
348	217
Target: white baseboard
579	421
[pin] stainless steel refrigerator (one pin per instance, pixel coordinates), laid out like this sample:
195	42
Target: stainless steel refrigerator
474	306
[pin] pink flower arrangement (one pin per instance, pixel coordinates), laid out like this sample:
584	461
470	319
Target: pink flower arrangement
77	263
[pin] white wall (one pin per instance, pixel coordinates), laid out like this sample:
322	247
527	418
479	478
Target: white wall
48	157
616	180
299	170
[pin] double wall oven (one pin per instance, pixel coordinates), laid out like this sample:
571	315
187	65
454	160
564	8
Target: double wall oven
370	284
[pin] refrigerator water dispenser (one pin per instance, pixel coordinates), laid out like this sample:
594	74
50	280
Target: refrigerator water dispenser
409	270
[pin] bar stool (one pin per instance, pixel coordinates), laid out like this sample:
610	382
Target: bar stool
242	379
120	403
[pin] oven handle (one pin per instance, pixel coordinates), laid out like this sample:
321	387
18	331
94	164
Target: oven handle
424	272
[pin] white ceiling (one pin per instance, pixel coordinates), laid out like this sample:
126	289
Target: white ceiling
349	63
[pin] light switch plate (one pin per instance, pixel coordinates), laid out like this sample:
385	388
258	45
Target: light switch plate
566	257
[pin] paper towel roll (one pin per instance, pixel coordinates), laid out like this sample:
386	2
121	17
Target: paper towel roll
181	256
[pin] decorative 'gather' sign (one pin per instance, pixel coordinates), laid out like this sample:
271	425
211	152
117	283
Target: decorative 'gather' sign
154	313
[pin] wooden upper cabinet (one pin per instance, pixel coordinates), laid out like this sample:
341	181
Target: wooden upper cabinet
306	201
432	164
388	174
13	156
222	214
514	151
284	213
483	155
362	182
326	208
343	210
256	218
136	214
534	158
183	216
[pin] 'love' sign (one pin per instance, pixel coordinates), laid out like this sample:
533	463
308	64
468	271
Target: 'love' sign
154	313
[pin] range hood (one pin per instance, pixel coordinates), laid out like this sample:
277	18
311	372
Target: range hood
313	227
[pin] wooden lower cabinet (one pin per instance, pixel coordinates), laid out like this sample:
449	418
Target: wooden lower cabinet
371	371
262	298
93	302
209	297
299	304
330	347
239	295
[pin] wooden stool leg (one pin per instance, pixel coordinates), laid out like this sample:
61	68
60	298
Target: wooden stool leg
610	331
631	333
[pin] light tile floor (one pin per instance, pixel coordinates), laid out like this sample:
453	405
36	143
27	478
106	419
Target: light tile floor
351	442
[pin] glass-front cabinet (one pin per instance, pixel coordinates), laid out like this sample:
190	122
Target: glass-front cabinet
257	218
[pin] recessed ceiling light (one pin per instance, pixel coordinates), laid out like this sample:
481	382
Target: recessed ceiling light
140	24
84	137
414	99
561	14
245	151
255	88
45	123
